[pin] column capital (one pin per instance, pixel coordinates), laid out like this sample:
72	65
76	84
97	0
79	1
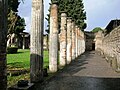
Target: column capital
63	14
76	26
69	19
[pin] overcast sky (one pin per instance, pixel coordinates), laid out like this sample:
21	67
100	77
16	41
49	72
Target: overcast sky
99	12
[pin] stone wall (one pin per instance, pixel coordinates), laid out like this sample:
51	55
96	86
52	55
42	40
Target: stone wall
109	46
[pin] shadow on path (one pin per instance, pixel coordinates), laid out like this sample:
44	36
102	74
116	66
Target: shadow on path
88	72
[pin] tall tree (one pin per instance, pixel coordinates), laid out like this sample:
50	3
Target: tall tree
3	35
13	5
16	24
74	9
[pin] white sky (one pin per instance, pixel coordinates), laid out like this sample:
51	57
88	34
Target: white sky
99	12
25	11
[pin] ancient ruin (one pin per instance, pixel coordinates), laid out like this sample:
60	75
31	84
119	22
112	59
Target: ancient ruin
53	38
76	31
108	42
36	48
69	40
72	40
63	39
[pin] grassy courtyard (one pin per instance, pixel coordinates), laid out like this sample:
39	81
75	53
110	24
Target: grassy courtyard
21	61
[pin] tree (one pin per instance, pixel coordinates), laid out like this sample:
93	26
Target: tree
16	24
3	40
3	35
97	29
74	9
13	5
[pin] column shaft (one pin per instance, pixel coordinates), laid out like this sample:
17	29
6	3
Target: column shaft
36	48
53	39
79	45
63	39
76	30
73	41
69	40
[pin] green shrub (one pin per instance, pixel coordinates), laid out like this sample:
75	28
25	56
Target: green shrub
11	50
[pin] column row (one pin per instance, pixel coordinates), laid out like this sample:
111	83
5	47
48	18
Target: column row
71	40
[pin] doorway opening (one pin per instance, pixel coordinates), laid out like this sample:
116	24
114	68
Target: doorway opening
93	46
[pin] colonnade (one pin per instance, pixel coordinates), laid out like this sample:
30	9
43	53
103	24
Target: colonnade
71	40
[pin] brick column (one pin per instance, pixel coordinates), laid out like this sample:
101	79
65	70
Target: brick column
69	40
79	45
76	30
80	50
53	39
63	39
82	42
73	41
36	48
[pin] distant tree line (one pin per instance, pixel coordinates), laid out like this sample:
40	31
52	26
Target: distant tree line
96	29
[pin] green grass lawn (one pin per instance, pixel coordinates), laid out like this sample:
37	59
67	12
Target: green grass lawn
22	59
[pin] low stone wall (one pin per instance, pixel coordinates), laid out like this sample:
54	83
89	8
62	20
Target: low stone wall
109	46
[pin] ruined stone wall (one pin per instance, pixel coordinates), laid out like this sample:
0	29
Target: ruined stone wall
109	46
71	40
98	40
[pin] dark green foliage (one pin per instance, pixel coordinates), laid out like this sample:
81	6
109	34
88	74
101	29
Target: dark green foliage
20	25
97	29
11	50
13	5
74	9
16	24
